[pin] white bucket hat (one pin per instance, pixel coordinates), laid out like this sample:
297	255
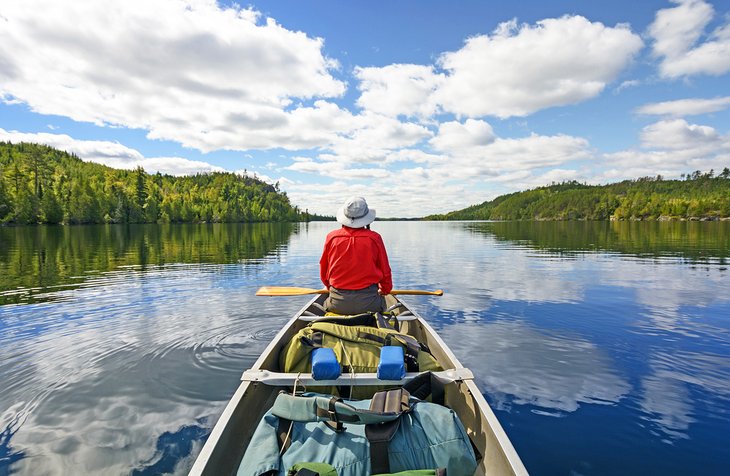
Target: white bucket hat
355	213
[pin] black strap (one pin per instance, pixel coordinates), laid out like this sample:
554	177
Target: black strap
425	385
383	322
409	341
344	391
379	435
334	419
318	306
368	336
314	340
365	319
396	400
282	430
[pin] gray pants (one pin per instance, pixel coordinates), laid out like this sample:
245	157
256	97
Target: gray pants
345	301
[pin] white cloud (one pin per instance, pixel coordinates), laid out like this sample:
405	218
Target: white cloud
454	136
513	72
629	83
337	170
472	151
520	70
467	158
176	166
399	89
676	32
451	180
678	134
676	29
669	148
202	75
539	180
685	107
112	154
324	198
412	192
372	138
533	151
416	156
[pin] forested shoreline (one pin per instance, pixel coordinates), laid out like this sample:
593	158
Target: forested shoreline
697	196
43	185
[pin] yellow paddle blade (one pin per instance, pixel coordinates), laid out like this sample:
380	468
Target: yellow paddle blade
287	291
293	291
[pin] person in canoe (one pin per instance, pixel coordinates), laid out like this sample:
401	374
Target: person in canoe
354	265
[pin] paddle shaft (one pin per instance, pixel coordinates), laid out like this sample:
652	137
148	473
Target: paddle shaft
294	291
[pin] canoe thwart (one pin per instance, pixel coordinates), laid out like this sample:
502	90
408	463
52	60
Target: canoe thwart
306	317
283	379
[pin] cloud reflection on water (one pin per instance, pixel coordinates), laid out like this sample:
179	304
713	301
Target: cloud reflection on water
667	395
96	376
517	364
475	272
116	366
663	299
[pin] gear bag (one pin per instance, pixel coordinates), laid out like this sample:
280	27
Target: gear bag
392	432
356	342
321	469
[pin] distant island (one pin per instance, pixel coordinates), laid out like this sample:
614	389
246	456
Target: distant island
43	185
697	196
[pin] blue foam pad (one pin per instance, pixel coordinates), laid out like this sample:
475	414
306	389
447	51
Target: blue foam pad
392	365
324	364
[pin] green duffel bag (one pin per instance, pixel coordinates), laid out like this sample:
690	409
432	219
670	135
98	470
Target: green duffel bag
356	344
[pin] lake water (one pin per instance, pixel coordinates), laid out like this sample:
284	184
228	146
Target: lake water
603	348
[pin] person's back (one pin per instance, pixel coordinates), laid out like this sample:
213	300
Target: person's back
354	264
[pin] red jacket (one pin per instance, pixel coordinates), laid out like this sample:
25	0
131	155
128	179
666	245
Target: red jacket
355	258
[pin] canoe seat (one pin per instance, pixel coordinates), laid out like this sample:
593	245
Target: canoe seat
310	316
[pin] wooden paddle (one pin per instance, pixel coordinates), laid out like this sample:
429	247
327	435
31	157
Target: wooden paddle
292	291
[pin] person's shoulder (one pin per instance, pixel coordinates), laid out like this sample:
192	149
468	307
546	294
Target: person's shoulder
372	234
336	232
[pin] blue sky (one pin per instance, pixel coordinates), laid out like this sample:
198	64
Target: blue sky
420	106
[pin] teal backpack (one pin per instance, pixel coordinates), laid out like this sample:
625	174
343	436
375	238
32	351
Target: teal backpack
324	469
392	432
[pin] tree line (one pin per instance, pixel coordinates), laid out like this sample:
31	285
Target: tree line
697	195
40	184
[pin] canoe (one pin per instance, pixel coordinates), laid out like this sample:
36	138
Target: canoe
227	443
